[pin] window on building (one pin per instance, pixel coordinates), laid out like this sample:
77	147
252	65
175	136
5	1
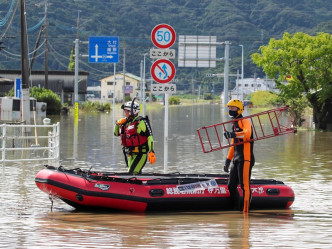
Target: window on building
245	85
252	85
127	83
110	96
110	83
239	84
259	85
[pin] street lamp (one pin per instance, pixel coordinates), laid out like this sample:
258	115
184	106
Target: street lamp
242	75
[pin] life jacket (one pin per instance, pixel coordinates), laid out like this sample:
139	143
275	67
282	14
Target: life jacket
239	148
129	135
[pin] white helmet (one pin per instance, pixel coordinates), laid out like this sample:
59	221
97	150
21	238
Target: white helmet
131	106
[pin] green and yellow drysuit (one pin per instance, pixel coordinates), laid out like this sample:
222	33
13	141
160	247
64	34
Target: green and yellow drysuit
137	141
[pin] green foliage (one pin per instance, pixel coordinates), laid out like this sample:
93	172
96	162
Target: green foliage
71	65
298	106
173	100
208	96
264	98
308	60
90	106
10	93
127	98
45	95
250	23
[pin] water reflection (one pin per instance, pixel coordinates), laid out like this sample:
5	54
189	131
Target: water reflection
302	161
167	230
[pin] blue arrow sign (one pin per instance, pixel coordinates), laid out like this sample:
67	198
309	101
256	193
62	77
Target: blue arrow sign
104	49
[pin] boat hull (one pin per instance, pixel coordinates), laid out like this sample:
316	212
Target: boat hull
155	192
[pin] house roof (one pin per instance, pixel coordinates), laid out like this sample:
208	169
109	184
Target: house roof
5	81
41	72
127	75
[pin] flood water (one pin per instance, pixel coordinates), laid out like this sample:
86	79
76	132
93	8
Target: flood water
303	161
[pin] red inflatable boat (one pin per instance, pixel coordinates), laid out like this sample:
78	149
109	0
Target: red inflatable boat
84	189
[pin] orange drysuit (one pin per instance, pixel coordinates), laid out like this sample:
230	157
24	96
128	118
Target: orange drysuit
243	161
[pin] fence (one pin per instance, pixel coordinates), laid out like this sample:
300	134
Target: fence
20	142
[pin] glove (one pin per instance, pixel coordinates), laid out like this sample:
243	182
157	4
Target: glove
151	157
227	163
228	134
121	121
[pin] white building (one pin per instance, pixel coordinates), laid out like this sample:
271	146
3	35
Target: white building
130	86
251	85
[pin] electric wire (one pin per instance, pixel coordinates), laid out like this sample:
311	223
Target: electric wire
10	21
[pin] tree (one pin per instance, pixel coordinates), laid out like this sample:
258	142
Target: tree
71	65
307	60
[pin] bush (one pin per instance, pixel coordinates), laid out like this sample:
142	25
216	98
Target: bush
208	96
174	100
48	96
95	106
264	98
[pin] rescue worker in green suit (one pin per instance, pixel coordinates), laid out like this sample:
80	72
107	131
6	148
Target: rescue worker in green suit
242	156
136	138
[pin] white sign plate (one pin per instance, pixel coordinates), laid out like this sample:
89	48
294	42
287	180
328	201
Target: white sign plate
197	51
163	88
162	53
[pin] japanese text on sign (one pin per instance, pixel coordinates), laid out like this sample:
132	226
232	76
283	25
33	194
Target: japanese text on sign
163	88
162	53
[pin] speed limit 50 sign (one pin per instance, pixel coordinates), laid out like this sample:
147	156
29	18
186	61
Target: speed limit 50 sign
163	36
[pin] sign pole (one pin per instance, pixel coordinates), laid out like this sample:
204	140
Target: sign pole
143	91
76	78
163	36
166	134
114	82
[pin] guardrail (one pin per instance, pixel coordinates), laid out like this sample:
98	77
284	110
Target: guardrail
21	142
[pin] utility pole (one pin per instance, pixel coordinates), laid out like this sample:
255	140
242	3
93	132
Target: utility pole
46	46
78	24
25	100
124	76
242	75
35	50
226	72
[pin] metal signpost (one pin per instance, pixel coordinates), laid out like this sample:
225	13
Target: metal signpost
163	70
200	51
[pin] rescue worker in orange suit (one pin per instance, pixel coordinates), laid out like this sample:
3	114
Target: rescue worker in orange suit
242	156
136	138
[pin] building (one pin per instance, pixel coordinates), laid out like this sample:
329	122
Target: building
5	86
60	82
93	93
251	85
130	84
